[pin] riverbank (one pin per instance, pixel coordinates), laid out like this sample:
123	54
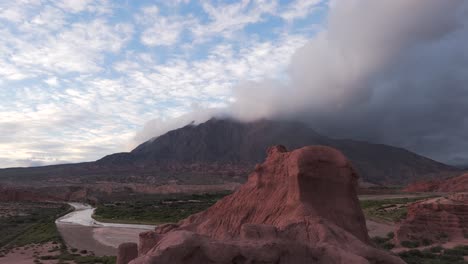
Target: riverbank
29	234
79	230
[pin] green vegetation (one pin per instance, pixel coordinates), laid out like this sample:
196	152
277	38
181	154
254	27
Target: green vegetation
410	244
436	255
392	210
25	224
157	210
28	223
65	256
384	242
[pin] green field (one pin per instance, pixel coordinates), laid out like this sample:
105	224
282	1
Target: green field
157	210
28	223
436	255
392	210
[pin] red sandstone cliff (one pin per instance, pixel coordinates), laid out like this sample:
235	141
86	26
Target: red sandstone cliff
454	184
438	220
296	207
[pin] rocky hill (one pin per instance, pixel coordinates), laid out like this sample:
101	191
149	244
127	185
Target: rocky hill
220	151
440	219
228	141
453	184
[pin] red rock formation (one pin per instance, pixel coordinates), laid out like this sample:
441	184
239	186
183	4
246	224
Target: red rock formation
296	207
437	219
455	184
126	252
13	194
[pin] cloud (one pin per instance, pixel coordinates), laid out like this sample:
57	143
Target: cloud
393	72
78	78
225	19
79	49
384	71
160	30
299	9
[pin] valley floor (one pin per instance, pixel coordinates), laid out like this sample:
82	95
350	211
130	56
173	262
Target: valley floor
83	239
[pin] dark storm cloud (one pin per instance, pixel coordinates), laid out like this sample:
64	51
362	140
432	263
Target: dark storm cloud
393	72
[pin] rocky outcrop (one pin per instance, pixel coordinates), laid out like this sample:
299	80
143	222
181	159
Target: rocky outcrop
438	220
13	194
296	207
126	252
454	184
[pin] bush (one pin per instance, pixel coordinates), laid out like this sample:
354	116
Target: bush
427	242
379	240
388	246
410	244
436	249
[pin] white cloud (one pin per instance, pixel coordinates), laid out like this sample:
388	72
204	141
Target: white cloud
79	49
226	19
162	33
52	81
160	30
207	82
75	84
77	6
299	9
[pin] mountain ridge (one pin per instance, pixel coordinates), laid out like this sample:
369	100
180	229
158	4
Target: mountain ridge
224	150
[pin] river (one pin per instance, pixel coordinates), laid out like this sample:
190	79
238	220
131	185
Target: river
81	231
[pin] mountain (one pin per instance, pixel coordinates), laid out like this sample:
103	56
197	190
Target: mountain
224	150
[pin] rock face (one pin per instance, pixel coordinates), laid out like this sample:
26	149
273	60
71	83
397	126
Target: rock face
126	252
438	219
454	184
296	207
12	194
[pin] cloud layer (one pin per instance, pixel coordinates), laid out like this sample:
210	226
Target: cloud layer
393	72
82	79
78	78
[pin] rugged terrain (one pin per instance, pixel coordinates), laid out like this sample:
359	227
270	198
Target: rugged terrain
453	184
309	214
436	220
212	156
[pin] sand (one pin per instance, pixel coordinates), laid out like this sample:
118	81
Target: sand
26	254
380	229
81	231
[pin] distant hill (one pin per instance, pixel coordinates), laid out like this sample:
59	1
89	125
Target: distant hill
451	184
225	150
229	141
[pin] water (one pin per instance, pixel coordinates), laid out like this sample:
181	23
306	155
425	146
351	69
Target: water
81	231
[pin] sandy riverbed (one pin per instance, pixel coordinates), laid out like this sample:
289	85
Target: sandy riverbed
80	230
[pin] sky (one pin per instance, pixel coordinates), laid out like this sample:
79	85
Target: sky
80	79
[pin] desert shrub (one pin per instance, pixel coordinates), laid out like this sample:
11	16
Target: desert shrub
436	249
391	235
48	257
427	242
388	246
410	244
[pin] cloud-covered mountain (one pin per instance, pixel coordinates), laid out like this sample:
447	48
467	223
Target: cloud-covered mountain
393	72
